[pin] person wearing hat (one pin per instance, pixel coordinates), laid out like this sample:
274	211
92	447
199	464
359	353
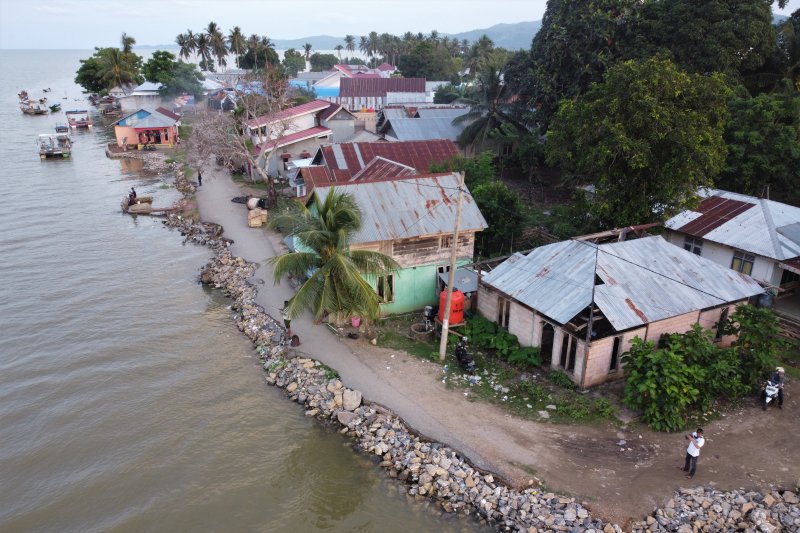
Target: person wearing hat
777	379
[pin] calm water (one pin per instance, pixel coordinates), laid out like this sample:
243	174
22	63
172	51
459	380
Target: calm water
128	401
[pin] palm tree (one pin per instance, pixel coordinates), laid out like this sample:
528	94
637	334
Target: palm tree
489	109
216	41
339	49
183	42
191	42
434	36
307	51
363	45
127	43
337	285
116	70
374	43
253	43
236	42
349	44
204	50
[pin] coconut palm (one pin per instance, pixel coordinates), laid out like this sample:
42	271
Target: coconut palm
127	43
307	51
337	285
252	46
216	41
339	49
349	44
183	43
489	109
116	70
363	44
191	42
236	42
374	43
204	50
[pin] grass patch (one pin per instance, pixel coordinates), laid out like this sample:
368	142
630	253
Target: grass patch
243	180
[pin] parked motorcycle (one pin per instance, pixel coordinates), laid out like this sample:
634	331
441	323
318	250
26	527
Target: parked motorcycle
769	394
465	360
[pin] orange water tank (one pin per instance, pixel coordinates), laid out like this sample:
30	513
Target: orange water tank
456	306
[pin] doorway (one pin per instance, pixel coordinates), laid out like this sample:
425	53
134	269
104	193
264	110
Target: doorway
546	345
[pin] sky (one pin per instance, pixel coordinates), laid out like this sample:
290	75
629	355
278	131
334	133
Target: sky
84	24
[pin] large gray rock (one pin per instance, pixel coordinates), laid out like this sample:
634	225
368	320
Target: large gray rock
351	399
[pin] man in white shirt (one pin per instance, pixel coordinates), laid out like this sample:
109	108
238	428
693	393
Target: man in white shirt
696	442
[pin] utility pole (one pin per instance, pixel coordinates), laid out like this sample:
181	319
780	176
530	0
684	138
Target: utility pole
452	274
590	323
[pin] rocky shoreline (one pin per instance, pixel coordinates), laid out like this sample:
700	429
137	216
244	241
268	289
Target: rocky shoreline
433	471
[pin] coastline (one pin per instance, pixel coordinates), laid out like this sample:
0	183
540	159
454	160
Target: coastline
429	470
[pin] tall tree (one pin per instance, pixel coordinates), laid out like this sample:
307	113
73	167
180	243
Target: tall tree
127	42
117	69
216	41
350	43
183	44
336	285
307	51
427	61
191	43
339	49
204	51
236	42
363	45
648	137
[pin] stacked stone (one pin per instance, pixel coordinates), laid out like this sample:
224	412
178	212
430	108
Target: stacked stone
182	183
706	509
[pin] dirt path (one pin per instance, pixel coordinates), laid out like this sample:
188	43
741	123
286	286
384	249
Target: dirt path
746	448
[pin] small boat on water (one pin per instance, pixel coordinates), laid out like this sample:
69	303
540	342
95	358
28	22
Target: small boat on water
32	107
62	128
143	205
54	145
55	108
79	118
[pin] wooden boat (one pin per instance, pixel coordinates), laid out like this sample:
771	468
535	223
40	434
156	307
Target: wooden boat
55	108
23	95
144	206
54	145
62	128
32	107
79	118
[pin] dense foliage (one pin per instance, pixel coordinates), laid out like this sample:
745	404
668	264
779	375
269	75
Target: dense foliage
647	137
320	62
688	371
427	61
293	62
487	335
175	77
109	68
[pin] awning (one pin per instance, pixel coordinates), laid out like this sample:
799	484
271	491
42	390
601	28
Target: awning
792	265
465	280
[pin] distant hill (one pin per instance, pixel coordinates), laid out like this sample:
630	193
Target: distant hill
510	36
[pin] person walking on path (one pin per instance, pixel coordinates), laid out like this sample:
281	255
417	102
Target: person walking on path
199	179
696	442
287	322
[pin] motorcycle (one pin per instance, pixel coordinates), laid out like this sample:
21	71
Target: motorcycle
769	394
465	360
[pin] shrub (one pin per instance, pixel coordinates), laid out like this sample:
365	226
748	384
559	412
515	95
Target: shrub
561	379
604	408
525	357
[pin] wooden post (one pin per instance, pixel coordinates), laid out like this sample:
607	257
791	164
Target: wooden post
452	274
590	323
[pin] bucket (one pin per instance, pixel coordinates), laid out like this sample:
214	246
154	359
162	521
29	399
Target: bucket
355	321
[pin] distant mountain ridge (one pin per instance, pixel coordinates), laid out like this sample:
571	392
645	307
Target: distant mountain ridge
510	36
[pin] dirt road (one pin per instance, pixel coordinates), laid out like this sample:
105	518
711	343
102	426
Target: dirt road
746	448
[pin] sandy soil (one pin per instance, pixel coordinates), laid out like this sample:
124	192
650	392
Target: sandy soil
746	448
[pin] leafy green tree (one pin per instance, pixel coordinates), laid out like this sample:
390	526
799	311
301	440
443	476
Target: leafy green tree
427	61
175	77
260	52
758	341
336	285
293	62
647	137
320	62
763	137
89	74
659	384
727	36
107	68
502	209
159	67
447	94
578	41
477	170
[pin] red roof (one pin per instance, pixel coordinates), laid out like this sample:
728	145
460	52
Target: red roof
380	168
716	211
291	112
167	113
345	160
286	140
332	109
350	87
386	66
315	177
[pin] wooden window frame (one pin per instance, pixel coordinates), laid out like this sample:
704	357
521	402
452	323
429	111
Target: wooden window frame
743	262
693	244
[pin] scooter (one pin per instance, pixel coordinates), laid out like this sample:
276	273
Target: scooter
464	358
769	394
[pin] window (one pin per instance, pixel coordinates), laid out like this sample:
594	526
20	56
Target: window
743	262
385	288
446	242
693	245
503	311
614	366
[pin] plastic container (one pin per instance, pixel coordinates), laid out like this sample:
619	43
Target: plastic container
456	306
355	321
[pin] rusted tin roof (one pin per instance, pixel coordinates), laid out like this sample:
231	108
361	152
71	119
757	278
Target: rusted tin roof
415	206
640	281
363	87
347	159
381	168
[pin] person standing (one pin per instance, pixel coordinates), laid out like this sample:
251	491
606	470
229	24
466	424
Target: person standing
696	442
199	179
287	322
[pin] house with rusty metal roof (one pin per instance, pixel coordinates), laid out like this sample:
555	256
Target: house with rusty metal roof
412	221
755	236
372	93
582	303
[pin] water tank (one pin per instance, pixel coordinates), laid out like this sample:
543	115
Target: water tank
456	306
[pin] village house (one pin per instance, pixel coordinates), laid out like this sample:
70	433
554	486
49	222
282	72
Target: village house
365	161
372	93
754	236
146	95
147	128
420	122
411	220
639	288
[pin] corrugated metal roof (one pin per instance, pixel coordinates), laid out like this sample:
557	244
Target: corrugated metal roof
381	168
421	129
316	131
363	87
439	112
714	212
291	112
754	229
643	280
409	207
346	159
